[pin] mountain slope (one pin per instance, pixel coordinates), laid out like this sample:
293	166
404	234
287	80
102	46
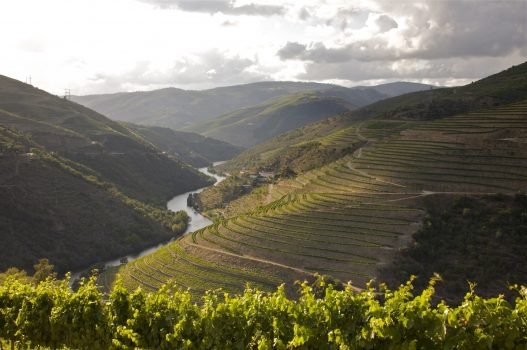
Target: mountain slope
74	184
178	108
498	89
314	144
250	126
107	147
54	208
194	149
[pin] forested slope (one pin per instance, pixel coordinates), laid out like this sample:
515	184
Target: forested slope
78	188
107	147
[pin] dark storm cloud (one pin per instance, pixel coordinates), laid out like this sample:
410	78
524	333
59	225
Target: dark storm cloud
224	6
436	30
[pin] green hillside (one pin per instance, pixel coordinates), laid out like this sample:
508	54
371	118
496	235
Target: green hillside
194	149
116	153
300	149
176	108
250	126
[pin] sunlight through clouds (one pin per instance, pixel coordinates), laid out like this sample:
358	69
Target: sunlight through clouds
195	44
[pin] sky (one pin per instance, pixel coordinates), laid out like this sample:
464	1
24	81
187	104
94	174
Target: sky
106	46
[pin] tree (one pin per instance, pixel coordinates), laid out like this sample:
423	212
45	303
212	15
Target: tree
287	173
43	270
14	273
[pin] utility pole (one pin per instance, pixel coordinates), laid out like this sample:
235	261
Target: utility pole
28	80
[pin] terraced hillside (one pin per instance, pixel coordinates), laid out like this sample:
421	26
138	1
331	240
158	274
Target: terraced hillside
352	216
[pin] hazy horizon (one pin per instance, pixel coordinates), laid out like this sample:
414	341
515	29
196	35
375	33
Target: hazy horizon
256	82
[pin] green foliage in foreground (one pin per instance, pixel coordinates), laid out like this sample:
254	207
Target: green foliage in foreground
51	315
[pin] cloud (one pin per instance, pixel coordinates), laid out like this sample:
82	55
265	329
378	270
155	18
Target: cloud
134	45
292	50
203	70
227	7
440	71
385	23
433	30
367	50
304	14
228	23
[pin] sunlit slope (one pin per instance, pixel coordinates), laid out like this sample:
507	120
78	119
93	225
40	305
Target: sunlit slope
350	217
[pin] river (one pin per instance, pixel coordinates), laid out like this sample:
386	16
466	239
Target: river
177	203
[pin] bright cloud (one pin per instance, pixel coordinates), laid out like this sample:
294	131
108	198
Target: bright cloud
101	46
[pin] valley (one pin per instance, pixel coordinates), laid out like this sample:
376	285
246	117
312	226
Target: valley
196	221
343	197
263	174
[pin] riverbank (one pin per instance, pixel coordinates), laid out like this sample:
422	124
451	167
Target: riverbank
177	203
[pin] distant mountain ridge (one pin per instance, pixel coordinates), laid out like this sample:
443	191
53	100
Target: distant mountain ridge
252	125
177	108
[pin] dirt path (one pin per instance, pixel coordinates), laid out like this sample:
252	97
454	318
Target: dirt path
269	197
252	258
363	173
358	154
359	135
